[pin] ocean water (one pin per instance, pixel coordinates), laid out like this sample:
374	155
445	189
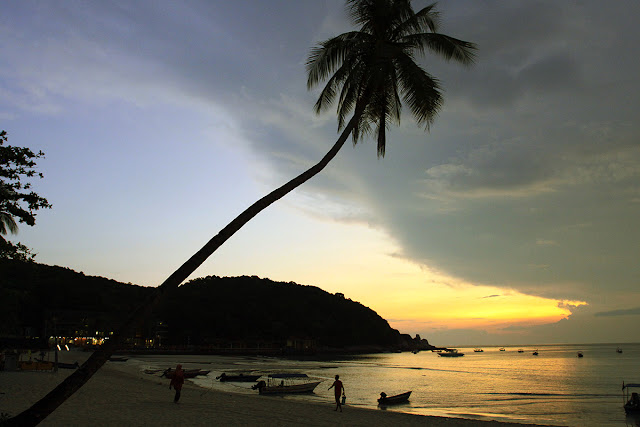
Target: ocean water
554	388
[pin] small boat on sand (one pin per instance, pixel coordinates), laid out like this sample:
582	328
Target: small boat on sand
478	350
286	384
392	400
241	378
188	373
61	365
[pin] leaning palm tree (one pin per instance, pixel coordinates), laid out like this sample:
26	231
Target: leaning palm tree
369	71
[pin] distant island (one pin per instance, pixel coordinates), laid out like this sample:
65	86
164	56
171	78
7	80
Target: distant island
214	315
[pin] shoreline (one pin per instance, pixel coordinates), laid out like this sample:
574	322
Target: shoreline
120	394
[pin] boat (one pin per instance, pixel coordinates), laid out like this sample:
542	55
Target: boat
535	353
188	373
618	350
478	350
632	402
502	349
61	365
580	354
285	384
31	365
392	400
241	378
451	353
520	350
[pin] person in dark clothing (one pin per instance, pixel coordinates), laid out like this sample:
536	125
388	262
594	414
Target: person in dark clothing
176	382
338	390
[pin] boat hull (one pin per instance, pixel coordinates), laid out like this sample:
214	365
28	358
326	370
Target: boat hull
239	378
392	400
290	389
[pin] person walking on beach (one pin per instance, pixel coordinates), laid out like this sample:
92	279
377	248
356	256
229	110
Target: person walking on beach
338	390
176	381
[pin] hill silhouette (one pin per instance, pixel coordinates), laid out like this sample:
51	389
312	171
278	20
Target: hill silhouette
210	312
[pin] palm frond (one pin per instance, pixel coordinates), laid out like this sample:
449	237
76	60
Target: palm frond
420	91
442	45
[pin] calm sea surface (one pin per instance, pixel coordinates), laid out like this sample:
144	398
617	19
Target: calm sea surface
556	387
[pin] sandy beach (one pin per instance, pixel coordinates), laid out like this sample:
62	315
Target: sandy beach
121	395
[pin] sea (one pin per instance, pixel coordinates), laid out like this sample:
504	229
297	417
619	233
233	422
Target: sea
556	387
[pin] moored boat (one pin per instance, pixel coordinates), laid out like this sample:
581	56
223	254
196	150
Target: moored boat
240	378
580	354
188	373
618	350
535	353
451	353
286	384
478	350
61	365
35	366
632	401
391	400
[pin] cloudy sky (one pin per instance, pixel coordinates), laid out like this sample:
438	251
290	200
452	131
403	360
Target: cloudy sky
514	220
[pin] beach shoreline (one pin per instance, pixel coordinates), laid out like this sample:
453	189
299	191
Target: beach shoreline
121	394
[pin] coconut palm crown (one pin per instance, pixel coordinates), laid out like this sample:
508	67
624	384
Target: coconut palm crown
374	67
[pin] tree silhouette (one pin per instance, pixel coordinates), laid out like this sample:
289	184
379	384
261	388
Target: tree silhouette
369	70
17	164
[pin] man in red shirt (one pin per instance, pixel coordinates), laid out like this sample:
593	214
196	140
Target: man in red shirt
338	390
176	381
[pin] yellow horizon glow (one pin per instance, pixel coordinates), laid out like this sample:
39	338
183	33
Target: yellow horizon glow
409	296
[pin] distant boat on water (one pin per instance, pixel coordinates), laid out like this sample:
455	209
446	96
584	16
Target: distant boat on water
451	353
502	349
580	354
618	350
520	350
478	350
535	353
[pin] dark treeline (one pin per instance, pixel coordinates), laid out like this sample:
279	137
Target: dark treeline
38	299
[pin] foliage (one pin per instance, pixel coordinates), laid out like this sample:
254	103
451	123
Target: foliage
16	201
248	307
206	310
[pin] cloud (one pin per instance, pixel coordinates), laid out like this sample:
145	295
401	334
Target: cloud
613	313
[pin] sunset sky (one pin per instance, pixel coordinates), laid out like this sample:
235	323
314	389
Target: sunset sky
514	220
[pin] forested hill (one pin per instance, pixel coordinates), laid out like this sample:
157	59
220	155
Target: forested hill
200	312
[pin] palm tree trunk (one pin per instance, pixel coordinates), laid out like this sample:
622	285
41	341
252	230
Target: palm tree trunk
45	406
